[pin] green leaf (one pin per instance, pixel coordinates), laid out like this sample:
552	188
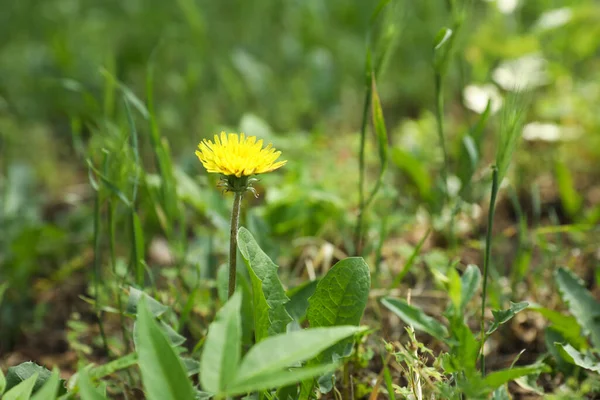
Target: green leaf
503	316
470	281
581	303
49	390
222	348
2	382
87	389
281	378
499	378
23	390
442	38
156	308
17	374
270	315
569	196
501	394
583	360
415	317
415	170
103	370
298	305
566	325
288	350
382	140
454	289
340	299
163	374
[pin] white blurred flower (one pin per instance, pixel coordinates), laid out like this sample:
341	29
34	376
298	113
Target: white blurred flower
476	97
554	18
505	6
526	72
548	132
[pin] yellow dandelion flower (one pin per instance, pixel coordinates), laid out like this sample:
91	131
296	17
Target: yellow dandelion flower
239	156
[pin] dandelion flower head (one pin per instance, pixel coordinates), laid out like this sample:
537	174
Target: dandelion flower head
241	155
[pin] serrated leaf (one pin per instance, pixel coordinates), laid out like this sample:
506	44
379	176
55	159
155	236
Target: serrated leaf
583	360
281	378
415	317
163	374
156	308
222	349
288	350
19	373
581	303
23	390
503	316
269	296
49	390
87	389
340	299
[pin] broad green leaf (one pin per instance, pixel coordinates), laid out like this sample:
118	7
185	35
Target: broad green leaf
340	299
23	371
470	281
163	374
583	360
415	317
299	296
563	363
503	316
341	296
280	378
499	378
566	325
50	389
581	303
222	349
270	315
156	308
288	350
22	391
87	389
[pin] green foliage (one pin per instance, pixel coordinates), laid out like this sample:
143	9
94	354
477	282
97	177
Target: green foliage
21	391
222	349
17	374
511	124
163	374
503	316
581	303
87	390
51	388
416	317
269	299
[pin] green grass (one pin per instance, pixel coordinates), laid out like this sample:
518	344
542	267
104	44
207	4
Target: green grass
405	230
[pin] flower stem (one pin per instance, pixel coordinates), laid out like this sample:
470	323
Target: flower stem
486	260
235	223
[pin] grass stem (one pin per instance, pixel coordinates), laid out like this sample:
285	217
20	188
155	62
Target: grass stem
486	261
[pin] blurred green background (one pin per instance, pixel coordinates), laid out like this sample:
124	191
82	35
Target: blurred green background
291	72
